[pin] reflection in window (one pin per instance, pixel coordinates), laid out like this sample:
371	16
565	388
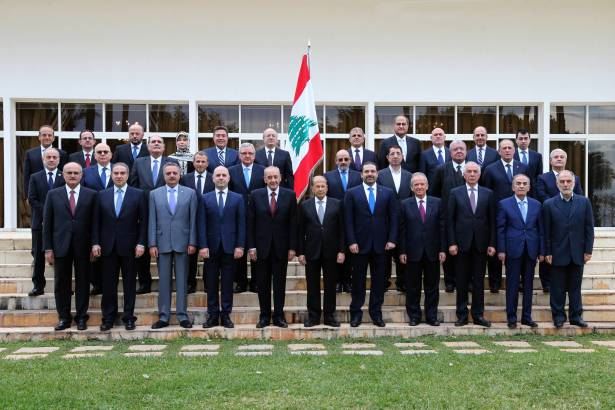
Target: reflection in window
341	119
602	181
319	114
575	160
384	117
257	118
210	116
168	117
602	119
31	116
119	117
430	117
469	118
78	117
514	117
567	120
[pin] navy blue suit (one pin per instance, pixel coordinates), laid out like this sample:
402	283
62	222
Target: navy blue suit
334	182
368	156
231	157
413	153
569	233
534	163
281	159
91	178
490	155
546	186
522	242
123	153
429	162
79	158
33	162
370	233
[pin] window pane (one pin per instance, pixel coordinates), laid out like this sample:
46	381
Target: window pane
210	116
514	117
31	116
257	118
168	117
385	117
601	182
428	118
341	119
576	157
332	145
79	117
119	117
469	118
567	120
602	119
319	113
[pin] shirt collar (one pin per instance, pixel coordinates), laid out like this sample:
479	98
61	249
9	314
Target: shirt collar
468	187
520	200
507	163
564	199
100	167
353	149
76	189
277	191
123	188
176	188
324	200
455	165
55	171
366	187
424	199
225	190
436	149
399	139
395	172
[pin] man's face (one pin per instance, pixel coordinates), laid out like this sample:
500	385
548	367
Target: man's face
558	160
46	137
419	186
458	153
87	141
52	159
480	136
270	138
72	174
220	139
507	150
471	174
246	155
401	125
565	183
135	134
438	137
523	141
171	175
119	175
319	187
102	154
200	163
155	146
181	143
272	178
342	159
357	138
369	174
521	186
394	157
221	177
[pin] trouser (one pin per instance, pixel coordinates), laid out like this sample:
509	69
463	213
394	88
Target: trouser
517	270
566	278
63	267
271	270
390	257
495	272
344	270
143	270
470	266
360	262
38	254
95	274
166	262
193	269
544	271
241	273
429	272
449	271
219	272
110	269
312	276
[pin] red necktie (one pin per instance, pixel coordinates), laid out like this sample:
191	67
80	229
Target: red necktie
273	205
422	210
87	160
71	203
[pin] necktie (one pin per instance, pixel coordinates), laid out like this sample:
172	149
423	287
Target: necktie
103	177
422	210
459	174
440	158
118	203
134	152
273	205
155	172
246	176
371	200
270	157
344	180
221	157
480	156
199	184
72	203
524	157
473	200
509	172
220	202
523	210
321	212
357	159
50	180
87	160
172	201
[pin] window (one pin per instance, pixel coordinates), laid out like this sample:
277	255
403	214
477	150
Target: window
119	117
78	117
31	116
384	117
514	117
210	116
602	119
168	117
469	118
341	119
567	120
257	118
430	117
601	180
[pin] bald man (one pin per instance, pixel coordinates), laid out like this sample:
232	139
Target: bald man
434	156
272	155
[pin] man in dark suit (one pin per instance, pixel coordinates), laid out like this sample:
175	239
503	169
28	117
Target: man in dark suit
471	237
321	246
67	236
41	182
447	177
371	214
498	178
271	154
410	147
33	161
119	237
528	157
272	241
222	237
569	241
422	248
520	245
136	148
435	156
146	174
221	154
245	178
85	157
202	182
359	154
396	179
482	154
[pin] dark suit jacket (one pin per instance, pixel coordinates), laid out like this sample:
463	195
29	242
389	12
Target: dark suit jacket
33	162
417	238
371	232
188	180
37	193
568	235
281	159
141	173
228	230
413	157
272	234
123	153
368	156
534	163
494	177
63	232
490	155
79	158
465	227
231	157
429	162
120	234
91	178
334	183
318	240
546	186
386	178
513	235
238	183
445	179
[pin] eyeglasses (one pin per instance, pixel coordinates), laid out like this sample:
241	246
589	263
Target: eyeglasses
102	152
343	160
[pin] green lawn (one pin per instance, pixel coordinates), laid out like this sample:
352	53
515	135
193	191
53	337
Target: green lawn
546	379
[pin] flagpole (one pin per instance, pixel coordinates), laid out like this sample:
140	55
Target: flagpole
309	51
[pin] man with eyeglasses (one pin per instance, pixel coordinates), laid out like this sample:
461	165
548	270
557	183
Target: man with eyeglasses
271	154
85	157
482	154
358	154
135	148
410	147
33	161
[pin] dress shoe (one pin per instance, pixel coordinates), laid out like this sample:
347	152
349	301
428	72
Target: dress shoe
558	324
82	324
449	289
280	322
355	322
580	323
239	289
481	321
512	325
210	322
433	322
36	292
62	325
227	322
414	322
142	290
347	288
130	325
311	323
160	324
379	322
331	321
461	322
95	291
186	324
529	323
262	323
191	289
339	288
106	326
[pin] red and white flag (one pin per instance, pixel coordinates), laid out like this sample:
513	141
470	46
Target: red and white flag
304	137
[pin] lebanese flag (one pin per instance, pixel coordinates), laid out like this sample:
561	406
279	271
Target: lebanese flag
304	137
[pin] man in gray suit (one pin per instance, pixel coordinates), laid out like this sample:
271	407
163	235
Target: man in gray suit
172	237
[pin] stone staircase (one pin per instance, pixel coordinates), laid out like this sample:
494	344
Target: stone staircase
32	318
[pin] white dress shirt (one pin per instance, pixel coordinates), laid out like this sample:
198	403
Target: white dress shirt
454	165
76	189
54	174
436	149
402	143
354	152
277	195
317	203
375	191
468	188
396	175
418	202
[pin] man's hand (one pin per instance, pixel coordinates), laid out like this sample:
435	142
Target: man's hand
139	251
96	251
291	254
354	248
341	257
403	258
549	259
389	246
49	257
204	253
587	257
490	251
238	253
442	257
252	255
502	257
453	250
191	249
302	259
541	258
153	251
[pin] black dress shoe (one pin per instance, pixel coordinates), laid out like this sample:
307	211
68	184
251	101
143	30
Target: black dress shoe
227	322
262	323
379	322
529	323
36	292
280	322
512	325
239	289
580	323
461	322
331	321
355	322
95	291
82	324
347	288
558	325
311	323
62	325
191	289
160	324
481	321
106	326
339	288
142	290
433	322
414	322
449	289
186	324
210	322
130	325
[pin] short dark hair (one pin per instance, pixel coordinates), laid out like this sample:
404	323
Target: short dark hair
86	130
522	131
220	127
394	147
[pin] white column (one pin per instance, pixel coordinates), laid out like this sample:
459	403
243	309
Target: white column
10	162
544	124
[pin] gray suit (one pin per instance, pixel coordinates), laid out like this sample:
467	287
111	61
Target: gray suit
172	234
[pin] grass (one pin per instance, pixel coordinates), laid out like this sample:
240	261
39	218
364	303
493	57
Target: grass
546	379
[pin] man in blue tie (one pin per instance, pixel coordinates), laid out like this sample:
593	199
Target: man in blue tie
434	156
135	148
482	154
221	154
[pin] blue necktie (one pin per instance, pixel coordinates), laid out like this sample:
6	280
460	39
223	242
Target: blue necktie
221	157
135	153
221	203
344	180
524	158
523	210
50	180
371	200
155	172
118	203
172	202
246	176
509	172
103	177
440	158
480	157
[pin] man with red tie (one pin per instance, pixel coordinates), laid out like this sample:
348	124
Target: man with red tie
86	156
